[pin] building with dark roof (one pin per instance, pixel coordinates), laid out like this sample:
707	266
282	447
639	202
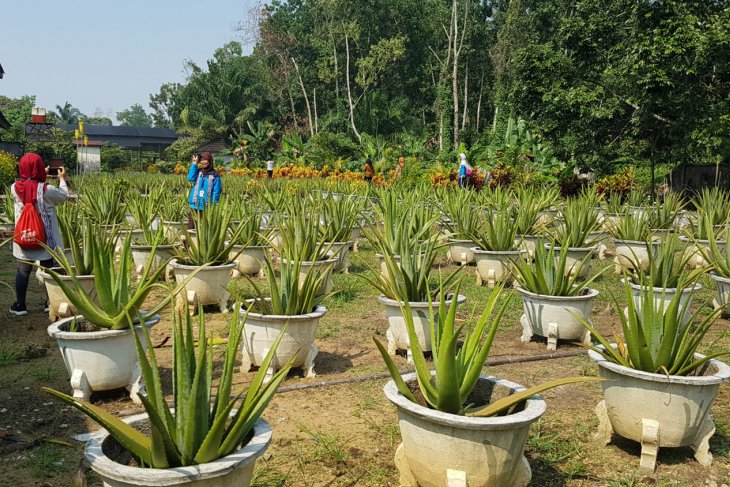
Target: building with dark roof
139	138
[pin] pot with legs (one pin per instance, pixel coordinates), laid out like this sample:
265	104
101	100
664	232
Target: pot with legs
723	292
441	450
249	259
58	304
100	360
659	410
556	317
207	287
494	266
339	251
460	251
141	255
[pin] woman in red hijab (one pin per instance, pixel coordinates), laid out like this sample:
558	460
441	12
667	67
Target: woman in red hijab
31	187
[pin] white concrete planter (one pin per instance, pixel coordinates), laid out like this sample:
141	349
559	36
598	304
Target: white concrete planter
141	255
397	333
576	255
662	297
207	287
339	251
384	268
658	410
60	306
261	330
249	260
630	253
443	450
556	317
611	221
321	267
137	236
603	240
695	249
529	242
100	360
355	234
174	231
234	470
494	267
460	251
7	229
723	291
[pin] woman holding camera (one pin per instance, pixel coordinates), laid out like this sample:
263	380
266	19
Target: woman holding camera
207	187
31	188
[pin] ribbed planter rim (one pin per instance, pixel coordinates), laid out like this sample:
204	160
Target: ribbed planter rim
176	265
45	275
149	247
244	247
722	375
592	293
685	290
314	262
479	250
318	312
179	475
461	299
591	248
719	278
54	330
534	408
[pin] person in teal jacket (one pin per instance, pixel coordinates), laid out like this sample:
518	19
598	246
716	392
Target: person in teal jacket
207	184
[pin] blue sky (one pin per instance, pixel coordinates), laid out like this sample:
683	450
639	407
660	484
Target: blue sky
103	56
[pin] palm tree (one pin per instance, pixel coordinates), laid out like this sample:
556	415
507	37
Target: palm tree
68	114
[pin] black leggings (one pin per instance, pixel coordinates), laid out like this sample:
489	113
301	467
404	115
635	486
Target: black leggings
22	277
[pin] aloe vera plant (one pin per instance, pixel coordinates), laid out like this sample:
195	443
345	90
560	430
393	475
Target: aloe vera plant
530	202
547	273
662	216
457	369
337	219
666	266
7	208
655	338
463	220
119	302
296	294
215	237
714	204
104	204
498	231
299	233
634	225
580	220
253	234
718	255
196	431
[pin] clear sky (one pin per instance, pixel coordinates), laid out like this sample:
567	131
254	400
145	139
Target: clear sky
105	55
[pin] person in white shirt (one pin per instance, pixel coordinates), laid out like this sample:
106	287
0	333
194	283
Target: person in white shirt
31	187
270	168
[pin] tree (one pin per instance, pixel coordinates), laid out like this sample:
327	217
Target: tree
106	121
134	116
67	114
17	111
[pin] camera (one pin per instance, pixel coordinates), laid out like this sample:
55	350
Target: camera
54	166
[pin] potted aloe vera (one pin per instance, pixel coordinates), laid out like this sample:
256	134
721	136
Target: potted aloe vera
300	241
84	243
530	204
664	216
630	234
659	389
199	442
7	214
407	280
574	235
336	223
554	299
666	274
291	311
97	345
697	237
209	257
461	221
718	254
496	247
151	235
443	413
250	251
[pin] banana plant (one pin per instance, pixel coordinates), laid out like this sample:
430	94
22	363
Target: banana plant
457	369
657	339
196	431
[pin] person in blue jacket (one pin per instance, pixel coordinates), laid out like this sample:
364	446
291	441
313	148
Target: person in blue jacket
207	185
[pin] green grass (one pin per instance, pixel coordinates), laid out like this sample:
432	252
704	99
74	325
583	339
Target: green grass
9	354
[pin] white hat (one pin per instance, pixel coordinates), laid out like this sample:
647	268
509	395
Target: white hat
462	156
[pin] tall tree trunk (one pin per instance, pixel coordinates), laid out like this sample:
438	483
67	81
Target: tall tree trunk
464	110
314	101
306	98
479	103
349	92
337	76
454	71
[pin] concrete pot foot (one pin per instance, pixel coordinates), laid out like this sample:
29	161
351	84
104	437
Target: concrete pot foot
392	348
526	330
308	367
649	445
80	385
136	386
605	430
406	476
701	444
223	304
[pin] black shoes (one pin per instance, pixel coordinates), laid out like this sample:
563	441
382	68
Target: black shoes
18	310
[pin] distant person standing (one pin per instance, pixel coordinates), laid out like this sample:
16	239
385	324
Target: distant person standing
399	167
463	171
270	168
31	188
207	187
368	171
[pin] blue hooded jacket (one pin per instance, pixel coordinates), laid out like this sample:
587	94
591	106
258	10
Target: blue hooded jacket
206	187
